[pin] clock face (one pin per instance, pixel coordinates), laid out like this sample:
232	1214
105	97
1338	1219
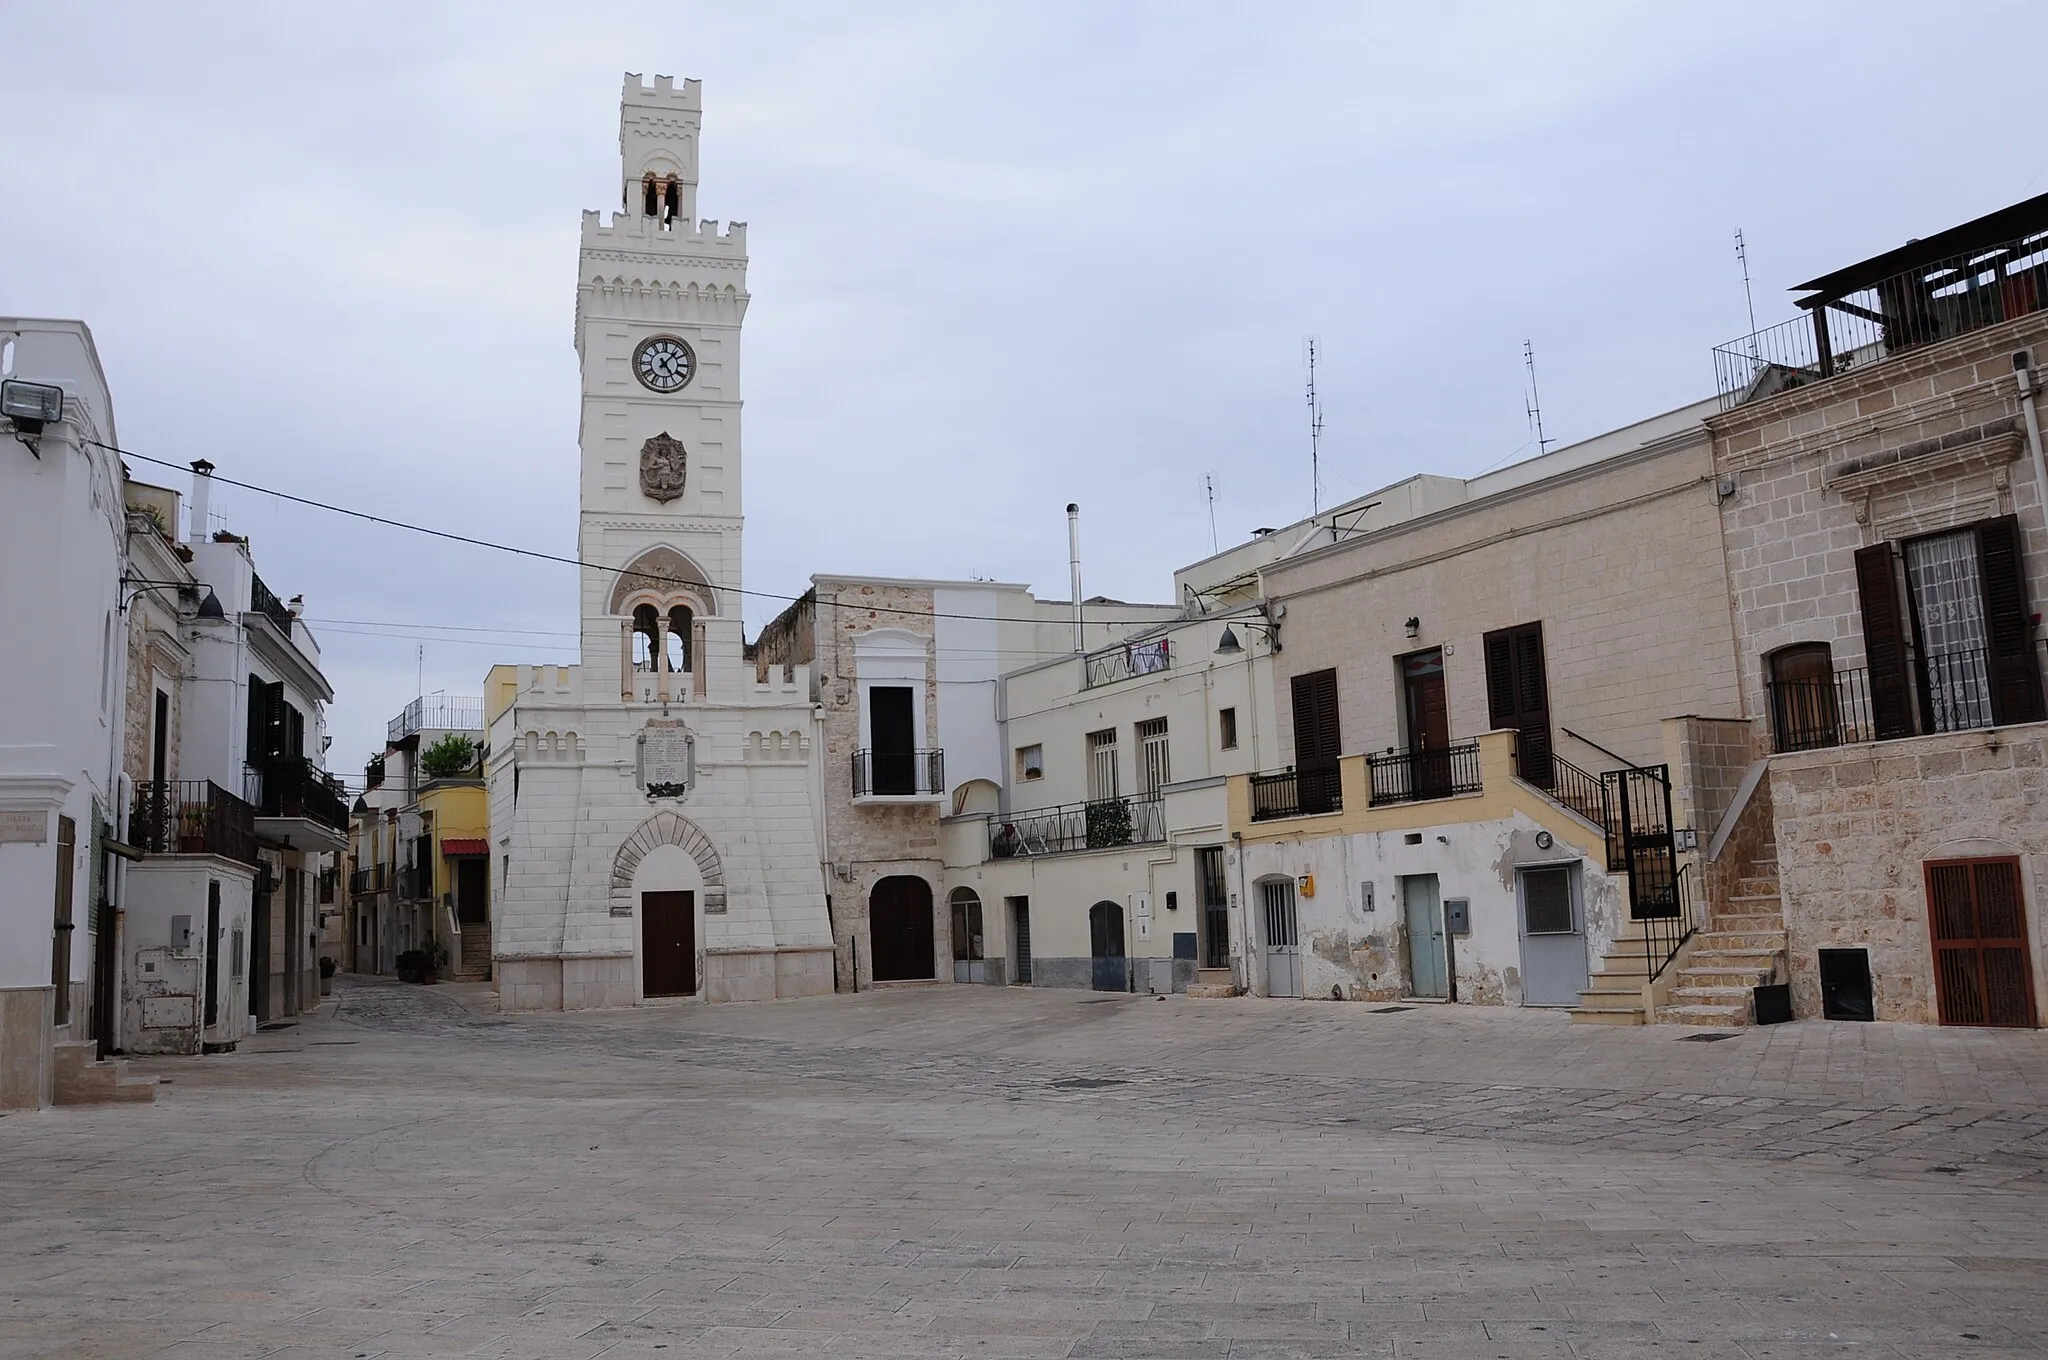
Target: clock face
663	363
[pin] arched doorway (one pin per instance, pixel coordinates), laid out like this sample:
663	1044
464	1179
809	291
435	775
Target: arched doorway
967	938
1805	706
1106	947
900	929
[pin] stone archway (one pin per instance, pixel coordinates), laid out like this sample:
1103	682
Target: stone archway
666	828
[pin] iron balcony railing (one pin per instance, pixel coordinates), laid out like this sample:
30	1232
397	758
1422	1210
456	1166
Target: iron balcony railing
1126	660
263	602
1297	793
1583	793
192	817
1934	302
1807	714
370	880
291	786
437	713
898	774
1676	912
1103	824
1420	774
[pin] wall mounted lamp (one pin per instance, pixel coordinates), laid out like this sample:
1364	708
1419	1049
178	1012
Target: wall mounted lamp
1414	626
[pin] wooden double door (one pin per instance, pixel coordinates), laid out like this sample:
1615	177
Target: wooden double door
668	943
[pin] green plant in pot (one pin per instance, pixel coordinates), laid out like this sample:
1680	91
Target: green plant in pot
412	965
453	755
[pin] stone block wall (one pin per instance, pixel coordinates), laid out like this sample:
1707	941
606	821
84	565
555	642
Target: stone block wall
1855	827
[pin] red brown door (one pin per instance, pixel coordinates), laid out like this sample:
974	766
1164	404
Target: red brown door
668	943
900	931
1982	968
1429	722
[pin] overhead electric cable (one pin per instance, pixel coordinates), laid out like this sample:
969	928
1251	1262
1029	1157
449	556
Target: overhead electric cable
538	555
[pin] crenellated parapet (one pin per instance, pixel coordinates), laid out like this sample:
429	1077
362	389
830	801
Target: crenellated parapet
640	234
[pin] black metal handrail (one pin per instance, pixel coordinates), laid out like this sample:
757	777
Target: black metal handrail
898	774
192	817
1297	793
1583	793
1665	933
370	880
1103	824
1125	660
265	603
1811	713
292	786
1866	325
1422	773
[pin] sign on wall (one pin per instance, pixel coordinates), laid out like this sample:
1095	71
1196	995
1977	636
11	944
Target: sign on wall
24	828
668	758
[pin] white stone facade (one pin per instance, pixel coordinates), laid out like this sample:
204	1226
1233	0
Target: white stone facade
663	765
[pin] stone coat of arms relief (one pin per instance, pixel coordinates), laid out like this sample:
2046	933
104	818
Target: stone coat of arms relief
663	464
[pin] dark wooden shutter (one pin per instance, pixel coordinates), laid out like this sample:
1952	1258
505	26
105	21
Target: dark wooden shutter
1884	643
1316	742
1982	964
1518	696
2009	630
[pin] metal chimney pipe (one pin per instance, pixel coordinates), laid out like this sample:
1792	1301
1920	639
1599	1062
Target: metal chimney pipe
202	502
1074	568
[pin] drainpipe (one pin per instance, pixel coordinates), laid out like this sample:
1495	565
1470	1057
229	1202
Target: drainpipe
2022	366
1074	568
1244	953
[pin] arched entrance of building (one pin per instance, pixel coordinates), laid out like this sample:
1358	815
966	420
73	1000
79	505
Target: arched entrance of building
900	929
968	953
1106	946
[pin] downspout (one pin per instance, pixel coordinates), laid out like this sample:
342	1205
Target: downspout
2022	365
1243	955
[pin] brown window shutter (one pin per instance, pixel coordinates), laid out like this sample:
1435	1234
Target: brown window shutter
1500	678
1517	697
1315	719
1884	643
2015	679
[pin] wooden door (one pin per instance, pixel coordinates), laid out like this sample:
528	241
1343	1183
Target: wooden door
1983	970
1518	696
1429	722
668	943
472	890
892	739
1110	971
1317	742
901	937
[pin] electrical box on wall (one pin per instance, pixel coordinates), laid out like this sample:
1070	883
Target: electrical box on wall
181	932
1458	915
1365	896
1306	885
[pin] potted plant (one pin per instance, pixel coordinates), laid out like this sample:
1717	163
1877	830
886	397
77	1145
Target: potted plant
326	976
412	965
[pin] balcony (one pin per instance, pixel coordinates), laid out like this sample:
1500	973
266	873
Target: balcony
1422	774
1954	696
363	882
899	776
1126	660
1104	824
1987	271
437	713
1297	793
290	788
261	601
192	817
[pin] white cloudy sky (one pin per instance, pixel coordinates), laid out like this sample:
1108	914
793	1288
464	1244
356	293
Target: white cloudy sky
1003	257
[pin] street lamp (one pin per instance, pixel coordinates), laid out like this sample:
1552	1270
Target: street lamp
1229	646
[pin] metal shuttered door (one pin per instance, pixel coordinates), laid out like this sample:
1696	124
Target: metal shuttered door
1981	965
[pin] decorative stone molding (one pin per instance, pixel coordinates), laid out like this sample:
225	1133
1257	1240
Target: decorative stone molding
661	572
666	828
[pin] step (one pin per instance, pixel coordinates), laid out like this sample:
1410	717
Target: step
79	1077
1724	975
1749	923
1754	904
1739	941
1757	885
1213	991
1582	1016
1611	998
1719	1015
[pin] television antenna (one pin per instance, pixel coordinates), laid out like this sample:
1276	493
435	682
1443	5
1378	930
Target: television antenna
1742	257
1315	435
1533	403
1209	489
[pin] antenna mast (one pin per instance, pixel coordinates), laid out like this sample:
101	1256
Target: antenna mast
1742	256
1315	435
1533	406
1209	487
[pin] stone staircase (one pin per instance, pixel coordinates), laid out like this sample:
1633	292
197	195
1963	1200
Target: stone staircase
78	1077
1743	947
1614	993
1212	982
474	961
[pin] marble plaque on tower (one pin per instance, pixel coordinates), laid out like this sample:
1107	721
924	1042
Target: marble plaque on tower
667	758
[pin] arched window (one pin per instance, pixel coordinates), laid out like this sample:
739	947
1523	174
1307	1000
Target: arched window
679	624
1806	707
644	619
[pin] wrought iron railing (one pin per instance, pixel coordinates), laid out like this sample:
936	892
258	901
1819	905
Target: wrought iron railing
192	817
1920	307
898	774
1583	793
1125	660
1103	824
437	713
263	602
1420	774
1297	793
292	786
370	880
1807	714
1665	934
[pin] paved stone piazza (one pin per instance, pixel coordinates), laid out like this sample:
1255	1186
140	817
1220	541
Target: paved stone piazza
944	1171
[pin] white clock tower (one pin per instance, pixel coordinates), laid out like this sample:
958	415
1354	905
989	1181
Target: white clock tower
655	810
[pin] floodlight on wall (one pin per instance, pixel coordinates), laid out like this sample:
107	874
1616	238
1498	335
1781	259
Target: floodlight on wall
30	406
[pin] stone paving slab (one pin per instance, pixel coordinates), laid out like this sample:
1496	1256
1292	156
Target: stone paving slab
919	1175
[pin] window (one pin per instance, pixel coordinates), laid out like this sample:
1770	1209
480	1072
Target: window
1031	761
644	619
1153	767
1226	729
1547	901
679	630
1102	765
1518	697
1805	712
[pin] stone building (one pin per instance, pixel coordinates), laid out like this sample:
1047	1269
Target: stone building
654	820
1881	475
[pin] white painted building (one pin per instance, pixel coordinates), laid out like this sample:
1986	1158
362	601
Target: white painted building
655	823
61	524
